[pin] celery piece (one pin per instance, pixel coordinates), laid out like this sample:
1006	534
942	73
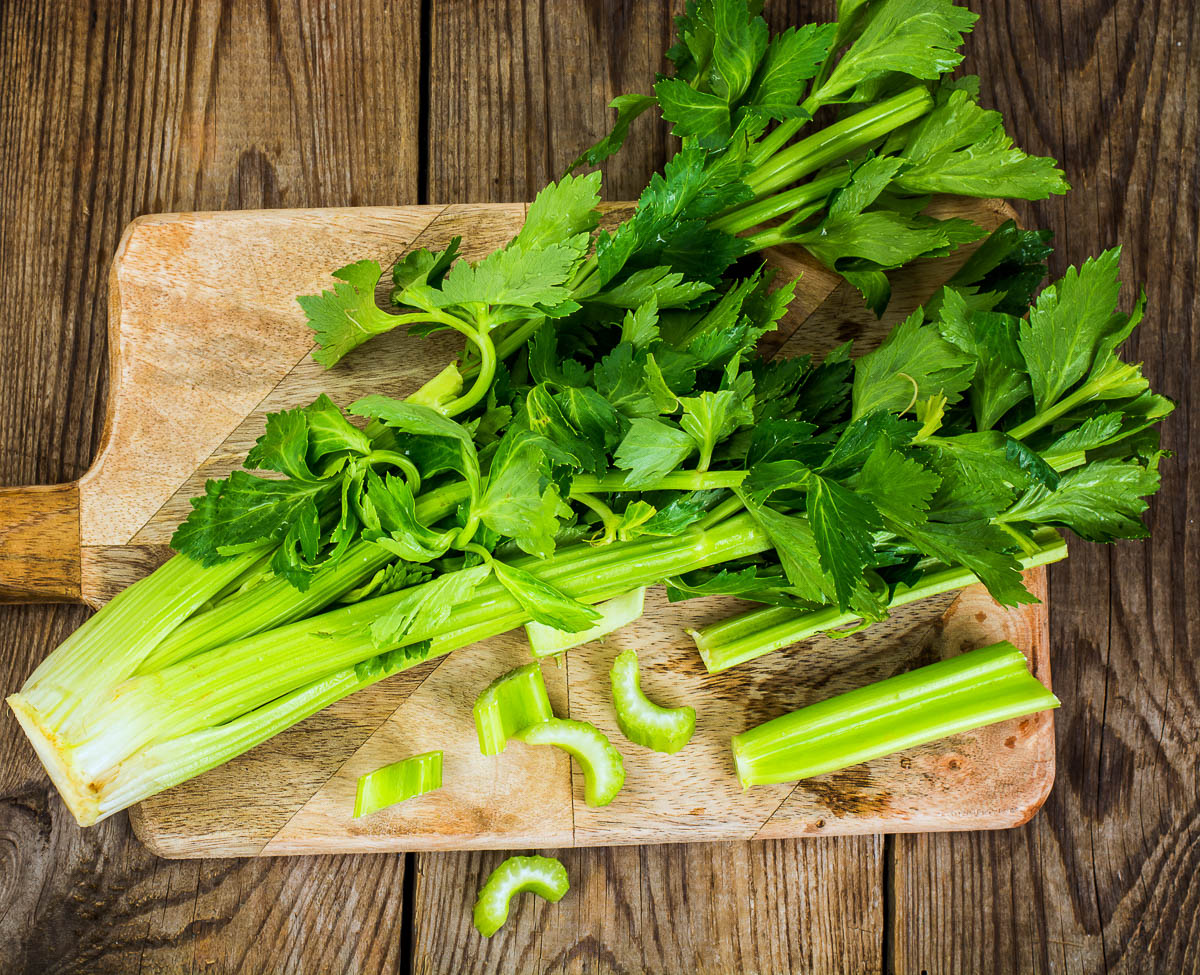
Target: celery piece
642	721
543	876
749	635
603	768
974	689
545	641
398	782
509	704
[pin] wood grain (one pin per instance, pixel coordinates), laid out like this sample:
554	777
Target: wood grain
1103	878
39	544
109	110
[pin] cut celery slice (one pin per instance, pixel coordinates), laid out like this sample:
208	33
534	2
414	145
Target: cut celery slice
642	721
603	768
543	876
398	782
545	641
508	704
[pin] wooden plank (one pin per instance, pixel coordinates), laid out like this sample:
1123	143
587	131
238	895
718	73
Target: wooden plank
1103	878
108	110
481	61
776	906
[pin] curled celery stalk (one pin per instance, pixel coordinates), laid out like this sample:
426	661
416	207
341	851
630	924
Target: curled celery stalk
543	876
969	691
546	641
642	721
509	704
603	768
398	782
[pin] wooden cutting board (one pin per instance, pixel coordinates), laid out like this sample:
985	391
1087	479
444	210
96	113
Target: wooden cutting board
206	338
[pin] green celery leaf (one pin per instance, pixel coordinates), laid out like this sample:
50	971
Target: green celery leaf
392	661
751	582
740	40
640	326
621	379
591	414
513	276
1031	463
797	550
978	478
778	439
842	523
515	503
793	57
422	267
1010	263
388	511
560	211
651	449
899	487
695	114
963	149
424	615
423	421
329	431
347	316
711	417
672	518
628	107
544	416
294	558
913	363
860	437
245	510
543	602
990	338
918	38
283	447
1101	501
1071	318
980	547
666	288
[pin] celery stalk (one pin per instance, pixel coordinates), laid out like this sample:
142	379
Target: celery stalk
969	691
761	631
139	735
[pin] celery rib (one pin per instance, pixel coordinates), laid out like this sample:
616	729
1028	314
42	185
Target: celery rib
969	691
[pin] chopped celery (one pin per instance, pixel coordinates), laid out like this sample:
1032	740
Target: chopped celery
603	768
761	631
642	721
545	641
543	876
398	782
509	704
969	691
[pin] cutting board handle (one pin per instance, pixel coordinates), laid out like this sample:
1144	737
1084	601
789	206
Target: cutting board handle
39	544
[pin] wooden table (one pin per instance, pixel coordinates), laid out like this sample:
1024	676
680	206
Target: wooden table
109	110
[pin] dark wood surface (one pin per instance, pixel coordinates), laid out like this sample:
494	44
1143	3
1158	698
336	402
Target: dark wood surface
111	110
